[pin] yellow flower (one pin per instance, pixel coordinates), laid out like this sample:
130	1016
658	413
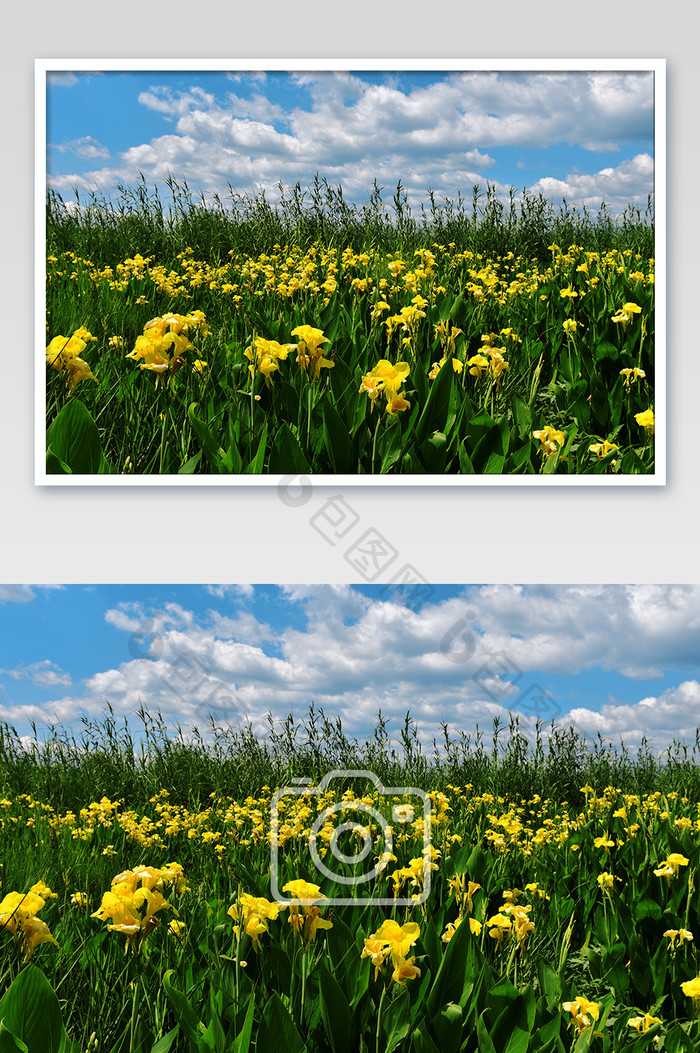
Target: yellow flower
500	927
391	376
582	1011
309	352
691	989
405	970
310	918
677	934
397	938
178	930
200	366
646	420
631	375
669	867
626	313
377	951
550	440
301	889
479	365
643	1023
63	355
397	404
602	449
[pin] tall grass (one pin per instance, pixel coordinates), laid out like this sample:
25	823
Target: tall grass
162	224
133	758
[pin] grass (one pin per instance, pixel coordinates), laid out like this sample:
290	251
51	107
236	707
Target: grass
316	336
557	861
133	758
141	217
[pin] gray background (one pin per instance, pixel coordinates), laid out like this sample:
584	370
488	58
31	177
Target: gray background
481	534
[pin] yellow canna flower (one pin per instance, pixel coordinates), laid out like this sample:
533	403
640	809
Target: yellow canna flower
602	449
309	352
641	1024
500	927
626	313
397	938
63	355
583	1012
691	989
677	934
631	375
405	970
646	420
669	867
550	440
479	365
378	952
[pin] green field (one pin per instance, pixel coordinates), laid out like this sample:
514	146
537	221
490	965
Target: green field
138	908
316	336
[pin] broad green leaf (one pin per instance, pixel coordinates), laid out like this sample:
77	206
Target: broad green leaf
286	454
74	439
30	1010
165	1044
277	1030
397	1020
335	1012
9	1043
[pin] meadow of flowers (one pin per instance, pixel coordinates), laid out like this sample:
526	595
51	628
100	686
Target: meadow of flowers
314	337
144	919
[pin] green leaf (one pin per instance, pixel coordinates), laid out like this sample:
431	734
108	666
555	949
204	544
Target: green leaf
335	1012
465	465
74	439
421	1041
242	1041
9	1043
397	1019
183	1011
484	1037
286	454
189	466
455	972
604	349
258	462
336	439
434	415
54	464
30	1010
165	1044
550	984
212	450
277	1029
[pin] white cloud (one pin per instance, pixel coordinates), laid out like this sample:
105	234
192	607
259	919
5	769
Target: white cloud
242	591
22	593
56	79
630	181
462	660
438	135
45	673
86	147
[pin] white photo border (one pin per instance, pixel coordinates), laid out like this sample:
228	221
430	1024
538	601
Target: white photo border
657	66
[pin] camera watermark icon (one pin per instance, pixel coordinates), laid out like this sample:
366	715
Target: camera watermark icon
355	835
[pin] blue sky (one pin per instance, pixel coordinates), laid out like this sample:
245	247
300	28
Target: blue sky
619	659
586	136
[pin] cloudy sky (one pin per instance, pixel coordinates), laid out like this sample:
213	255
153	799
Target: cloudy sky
619	659
585	136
